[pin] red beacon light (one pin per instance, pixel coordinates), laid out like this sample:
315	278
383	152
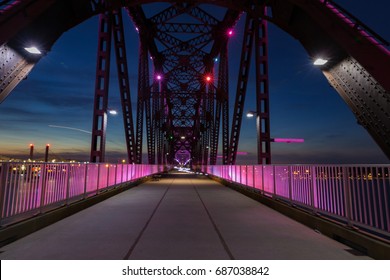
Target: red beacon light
208	78
230	32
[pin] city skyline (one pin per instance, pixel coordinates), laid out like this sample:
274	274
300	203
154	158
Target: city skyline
54	104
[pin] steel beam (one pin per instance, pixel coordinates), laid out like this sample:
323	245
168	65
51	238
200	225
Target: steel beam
243	74
101	89
124	84
262	93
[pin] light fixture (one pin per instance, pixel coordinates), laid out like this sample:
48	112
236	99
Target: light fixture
112	112
158	77
33	50
250	114
320	61
288	140
182	137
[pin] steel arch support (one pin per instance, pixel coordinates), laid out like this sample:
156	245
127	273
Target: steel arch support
124	84
101	89
262	93
143	88
243	74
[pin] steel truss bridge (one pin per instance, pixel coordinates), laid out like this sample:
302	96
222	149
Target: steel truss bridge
183	96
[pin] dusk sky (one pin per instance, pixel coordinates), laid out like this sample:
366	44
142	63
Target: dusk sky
58	94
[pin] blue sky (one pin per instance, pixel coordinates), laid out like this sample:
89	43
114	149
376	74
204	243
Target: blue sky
59	92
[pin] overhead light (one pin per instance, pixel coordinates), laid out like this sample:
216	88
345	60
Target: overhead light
320	61
112	112
250	114
33	50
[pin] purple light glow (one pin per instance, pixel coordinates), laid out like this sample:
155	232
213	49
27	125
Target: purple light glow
288	140
230	32
159	77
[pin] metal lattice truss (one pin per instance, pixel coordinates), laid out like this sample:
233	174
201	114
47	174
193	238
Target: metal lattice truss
182	44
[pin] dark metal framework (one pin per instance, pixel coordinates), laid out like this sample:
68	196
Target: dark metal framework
111	26
182	109
181	114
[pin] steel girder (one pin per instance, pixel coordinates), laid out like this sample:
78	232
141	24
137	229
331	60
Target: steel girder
100	107
143	95
262	93
111	26
243	74
124	84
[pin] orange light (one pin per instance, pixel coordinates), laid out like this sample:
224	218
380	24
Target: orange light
47	145
31	145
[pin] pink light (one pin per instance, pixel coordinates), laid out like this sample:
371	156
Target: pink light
159	77
230	32
288	140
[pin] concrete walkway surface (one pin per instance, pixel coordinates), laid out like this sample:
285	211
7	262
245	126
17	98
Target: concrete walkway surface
179	217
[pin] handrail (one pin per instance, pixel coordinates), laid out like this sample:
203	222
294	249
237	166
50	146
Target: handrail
356	195
28	189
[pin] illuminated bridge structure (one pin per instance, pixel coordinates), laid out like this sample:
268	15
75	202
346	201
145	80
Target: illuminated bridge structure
183	102
183	98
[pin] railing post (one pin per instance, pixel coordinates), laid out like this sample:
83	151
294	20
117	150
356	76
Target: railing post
67	184
290	183
98	178
274	182
313	191
246	175
43	187
108	166
262	179
3	182
347	196
85	179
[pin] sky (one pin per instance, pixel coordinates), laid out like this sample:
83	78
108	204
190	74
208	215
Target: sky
55	103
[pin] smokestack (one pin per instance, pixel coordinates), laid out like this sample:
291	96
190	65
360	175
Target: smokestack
47	152
31	151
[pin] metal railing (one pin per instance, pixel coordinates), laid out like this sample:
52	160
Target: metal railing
358	196
28	189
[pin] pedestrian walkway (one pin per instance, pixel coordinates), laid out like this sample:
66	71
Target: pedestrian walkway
183	216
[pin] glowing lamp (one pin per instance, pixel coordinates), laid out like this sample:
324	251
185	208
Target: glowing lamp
208	78
182	137
159	77
320	61
250	114
33	50
112	112
230	32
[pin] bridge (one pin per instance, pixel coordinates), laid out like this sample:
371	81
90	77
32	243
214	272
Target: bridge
183	120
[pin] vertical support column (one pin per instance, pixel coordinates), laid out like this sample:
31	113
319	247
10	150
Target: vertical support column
242	83
222	106
262	92
225	107
124	84
101	89
142	88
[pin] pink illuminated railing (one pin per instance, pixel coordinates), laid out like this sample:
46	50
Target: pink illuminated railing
28	189
358	196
